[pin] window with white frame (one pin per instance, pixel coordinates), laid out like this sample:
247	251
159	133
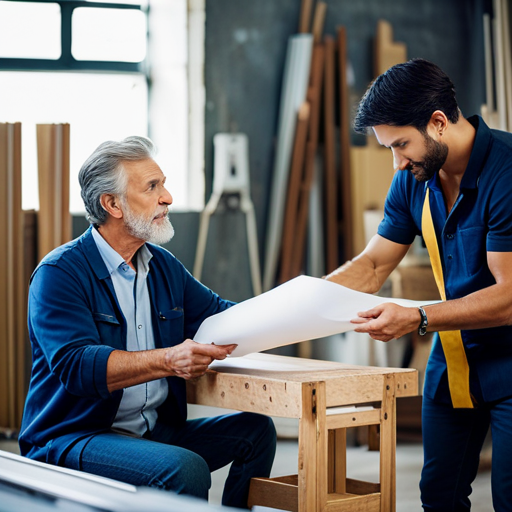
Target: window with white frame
110	69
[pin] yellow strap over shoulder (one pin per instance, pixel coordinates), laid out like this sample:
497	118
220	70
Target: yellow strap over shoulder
456	360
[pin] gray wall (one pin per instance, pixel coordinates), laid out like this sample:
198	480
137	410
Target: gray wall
245	53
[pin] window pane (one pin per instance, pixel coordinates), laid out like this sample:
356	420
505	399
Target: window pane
30	30
99	107
109	34
142	3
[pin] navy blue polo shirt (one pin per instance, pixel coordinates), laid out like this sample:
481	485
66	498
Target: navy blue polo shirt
480	221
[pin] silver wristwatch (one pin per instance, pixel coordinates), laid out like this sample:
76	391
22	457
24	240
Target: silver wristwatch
422	329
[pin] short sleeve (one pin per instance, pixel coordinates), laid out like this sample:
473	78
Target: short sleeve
499	235
398	224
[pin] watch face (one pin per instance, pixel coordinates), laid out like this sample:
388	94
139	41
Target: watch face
422	331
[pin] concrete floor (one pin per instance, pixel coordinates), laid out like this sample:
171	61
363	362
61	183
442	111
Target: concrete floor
361	464
364	465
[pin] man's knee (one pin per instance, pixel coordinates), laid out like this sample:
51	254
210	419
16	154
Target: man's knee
191	476
263	428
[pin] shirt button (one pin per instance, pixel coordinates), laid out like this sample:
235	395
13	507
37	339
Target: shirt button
450	256
139	326
450	236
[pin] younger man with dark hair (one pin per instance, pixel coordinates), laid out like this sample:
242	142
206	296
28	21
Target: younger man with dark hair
453	188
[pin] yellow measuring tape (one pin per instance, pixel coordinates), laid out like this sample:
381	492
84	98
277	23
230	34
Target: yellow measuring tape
456	360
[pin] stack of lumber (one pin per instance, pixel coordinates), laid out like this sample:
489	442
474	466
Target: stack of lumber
26	237
319	154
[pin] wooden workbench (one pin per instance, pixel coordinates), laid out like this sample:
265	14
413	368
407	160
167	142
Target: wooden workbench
327	398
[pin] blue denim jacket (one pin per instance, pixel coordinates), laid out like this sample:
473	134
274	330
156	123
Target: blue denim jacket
75	322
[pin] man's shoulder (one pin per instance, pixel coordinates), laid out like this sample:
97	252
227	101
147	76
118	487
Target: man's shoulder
69	255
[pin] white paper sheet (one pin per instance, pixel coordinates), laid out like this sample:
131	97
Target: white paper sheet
301	309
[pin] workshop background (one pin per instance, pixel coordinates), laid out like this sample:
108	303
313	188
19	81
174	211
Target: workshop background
232	57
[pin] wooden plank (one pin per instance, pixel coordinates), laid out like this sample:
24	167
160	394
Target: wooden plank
321	446
305	16
45	164
54	220
340	460
4	299
344	160
267	492
330	178
246	393
312	445
66	231
12	304
353	419
331	461
29	265
11	249
19	295
388	447
292	201
348	503
387	52
316	79
318	21
361	487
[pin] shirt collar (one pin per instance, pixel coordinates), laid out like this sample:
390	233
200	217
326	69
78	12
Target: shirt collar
113	260
479	153
481	146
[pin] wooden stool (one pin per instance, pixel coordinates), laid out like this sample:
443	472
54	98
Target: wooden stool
327	398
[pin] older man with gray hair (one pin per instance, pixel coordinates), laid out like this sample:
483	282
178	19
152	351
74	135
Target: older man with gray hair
111	322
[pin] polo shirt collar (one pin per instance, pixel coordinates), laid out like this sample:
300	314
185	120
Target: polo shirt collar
481	147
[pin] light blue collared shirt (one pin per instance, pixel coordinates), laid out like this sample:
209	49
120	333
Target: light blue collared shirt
137	410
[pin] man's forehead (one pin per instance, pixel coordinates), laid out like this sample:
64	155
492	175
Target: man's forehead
142	169
387	135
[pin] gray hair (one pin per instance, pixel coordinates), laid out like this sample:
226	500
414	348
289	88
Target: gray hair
103	172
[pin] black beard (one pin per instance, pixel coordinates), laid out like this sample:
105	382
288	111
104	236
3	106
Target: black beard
433	161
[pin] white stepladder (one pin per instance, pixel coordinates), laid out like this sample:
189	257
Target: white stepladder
231	180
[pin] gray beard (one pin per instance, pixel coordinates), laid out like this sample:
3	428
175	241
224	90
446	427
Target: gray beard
143	228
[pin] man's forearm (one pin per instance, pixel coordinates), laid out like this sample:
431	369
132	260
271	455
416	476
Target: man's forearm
358	274
490	307
187	360
368	271
125	369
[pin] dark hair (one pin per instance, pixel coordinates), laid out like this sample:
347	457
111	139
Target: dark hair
407	95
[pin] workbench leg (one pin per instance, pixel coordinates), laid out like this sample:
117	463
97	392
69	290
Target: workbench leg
388	446
312	477
337	464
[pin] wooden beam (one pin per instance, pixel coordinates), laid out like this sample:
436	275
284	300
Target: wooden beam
54	220
305	16
316	78
12	305
292	200
344	160
318	21
330	178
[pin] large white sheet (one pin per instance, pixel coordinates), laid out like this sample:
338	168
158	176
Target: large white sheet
301	309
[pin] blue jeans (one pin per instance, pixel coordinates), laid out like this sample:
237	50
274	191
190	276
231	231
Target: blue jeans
180	458
452	441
